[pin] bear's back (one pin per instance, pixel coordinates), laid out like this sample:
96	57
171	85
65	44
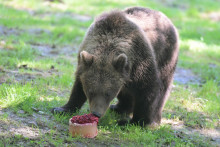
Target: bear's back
159	31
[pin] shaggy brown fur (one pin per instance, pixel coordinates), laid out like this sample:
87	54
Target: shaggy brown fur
131	55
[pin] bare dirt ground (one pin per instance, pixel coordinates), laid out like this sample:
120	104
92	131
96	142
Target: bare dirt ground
186	76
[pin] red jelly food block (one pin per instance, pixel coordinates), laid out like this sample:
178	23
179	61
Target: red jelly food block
86	118
84	125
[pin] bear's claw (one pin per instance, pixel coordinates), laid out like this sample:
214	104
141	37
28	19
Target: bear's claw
60	110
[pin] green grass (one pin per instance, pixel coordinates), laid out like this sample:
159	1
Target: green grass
31	84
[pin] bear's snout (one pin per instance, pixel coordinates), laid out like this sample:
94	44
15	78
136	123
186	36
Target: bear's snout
96	114
98	106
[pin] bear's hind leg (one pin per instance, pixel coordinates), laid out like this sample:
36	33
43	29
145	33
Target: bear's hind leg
146	113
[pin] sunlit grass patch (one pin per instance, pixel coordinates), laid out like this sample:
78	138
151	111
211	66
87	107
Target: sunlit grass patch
27	97
210	92
193	107
199	47
185	98
21	52
64	80
17	95
201	57
131	135
42	64
25	5
62	118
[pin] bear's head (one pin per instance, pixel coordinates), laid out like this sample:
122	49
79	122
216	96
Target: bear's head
102	79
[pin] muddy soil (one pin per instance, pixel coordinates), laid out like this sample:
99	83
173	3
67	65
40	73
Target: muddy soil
4	31
186	76
54	51
14	76
82	18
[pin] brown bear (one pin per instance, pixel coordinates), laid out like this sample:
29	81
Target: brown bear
131	55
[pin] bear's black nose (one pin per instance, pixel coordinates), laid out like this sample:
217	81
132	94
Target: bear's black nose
96	114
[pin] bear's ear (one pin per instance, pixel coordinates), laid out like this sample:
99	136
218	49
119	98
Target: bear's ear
86	58
120	62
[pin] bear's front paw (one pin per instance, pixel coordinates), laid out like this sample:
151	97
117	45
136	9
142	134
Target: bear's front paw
60	110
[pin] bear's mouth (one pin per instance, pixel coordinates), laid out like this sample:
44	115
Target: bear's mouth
96	114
